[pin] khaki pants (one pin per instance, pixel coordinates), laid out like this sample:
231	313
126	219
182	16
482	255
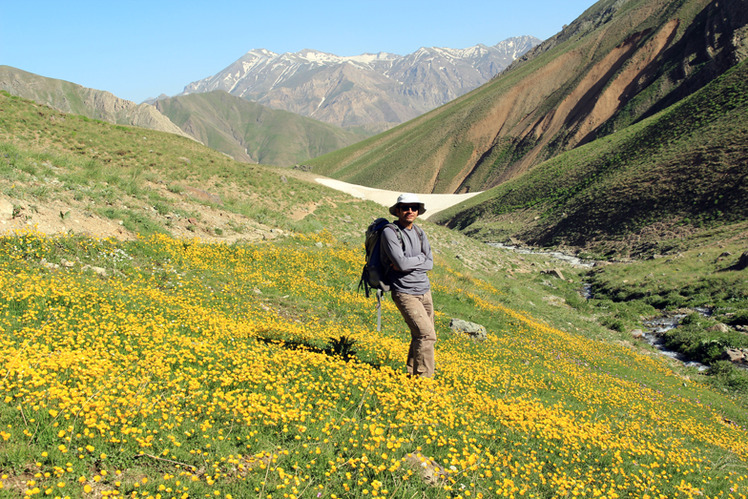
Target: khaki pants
418	312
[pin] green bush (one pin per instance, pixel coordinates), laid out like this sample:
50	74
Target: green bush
577	301
694	339
736	318
693	319
614	323
724	373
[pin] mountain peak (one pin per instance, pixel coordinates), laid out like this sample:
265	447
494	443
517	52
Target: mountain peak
376	90
262	53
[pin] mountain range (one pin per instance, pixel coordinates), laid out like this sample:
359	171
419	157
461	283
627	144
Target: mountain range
371	91
253	133
284	109
628	125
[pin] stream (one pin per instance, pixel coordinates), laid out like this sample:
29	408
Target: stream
658	326
655	328
570	259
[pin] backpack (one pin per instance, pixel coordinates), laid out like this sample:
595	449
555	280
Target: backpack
374	274
376	268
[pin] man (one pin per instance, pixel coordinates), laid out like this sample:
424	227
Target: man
409	252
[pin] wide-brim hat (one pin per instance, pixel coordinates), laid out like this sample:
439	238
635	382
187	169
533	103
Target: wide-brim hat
408	199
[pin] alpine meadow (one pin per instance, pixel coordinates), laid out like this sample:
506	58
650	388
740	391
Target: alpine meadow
179	323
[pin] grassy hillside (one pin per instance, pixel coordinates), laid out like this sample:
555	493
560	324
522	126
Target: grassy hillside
204	369
669	192
72	98
69	173
617	64
219	365
682	170
250	132
245	131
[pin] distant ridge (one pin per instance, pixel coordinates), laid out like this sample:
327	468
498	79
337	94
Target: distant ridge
246	131
372	91
252	133
73	98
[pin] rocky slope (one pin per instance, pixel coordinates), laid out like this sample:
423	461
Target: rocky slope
374	91
617	64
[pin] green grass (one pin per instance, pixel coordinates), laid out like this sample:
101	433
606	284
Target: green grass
221	366
126	174
184	335
691	275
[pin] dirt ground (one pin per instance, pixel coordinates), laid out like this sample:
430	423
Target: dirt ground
68	216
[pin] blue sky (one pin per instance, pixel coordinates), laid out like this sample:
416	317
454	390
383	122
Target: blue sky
141	49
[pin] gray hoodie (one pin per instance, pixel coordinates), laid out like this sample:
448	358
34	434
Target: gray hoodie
410	260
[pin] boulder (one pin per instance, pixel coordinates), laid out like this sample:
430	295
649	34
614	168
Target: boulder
719	328
431	472
736	355
471	329
554	273
96	270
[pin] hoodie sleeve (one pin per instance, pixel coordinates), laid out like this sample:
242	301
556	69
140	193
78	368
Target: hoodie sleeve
429	263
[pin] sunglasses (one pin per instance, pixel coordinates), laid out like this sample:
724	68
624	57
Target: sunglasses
411	207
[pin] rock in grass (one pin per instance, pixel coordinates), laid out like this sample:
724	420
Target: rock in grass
554	273
430	471
737	355
719	328
471	329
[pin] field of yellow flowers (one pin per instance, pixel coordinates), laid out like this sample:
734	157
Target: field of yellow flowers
171	368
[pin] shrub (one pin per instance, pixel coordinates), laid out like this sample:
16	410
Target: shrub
737	318
614	323
724	373
694	339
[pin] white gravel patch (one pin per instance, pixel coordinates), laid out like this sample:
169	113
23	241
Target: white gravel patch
434	202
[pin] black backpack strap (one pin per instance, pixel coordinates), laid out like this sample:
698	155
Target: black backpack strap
383	254
379	309
364	282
